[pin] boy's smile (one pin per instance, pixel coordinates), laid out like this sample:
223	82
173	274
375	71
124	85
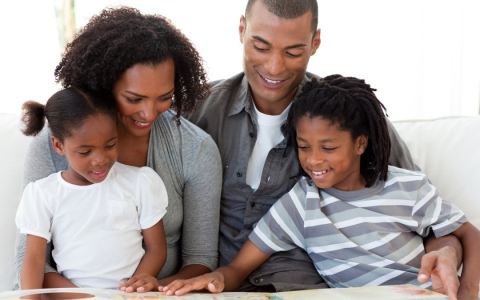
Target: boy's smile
329	155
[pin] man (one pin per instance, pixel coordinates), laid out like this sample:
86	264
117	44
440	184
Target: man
244	115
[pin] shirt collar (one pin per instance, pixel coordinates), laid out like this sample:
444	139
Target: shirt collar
245	99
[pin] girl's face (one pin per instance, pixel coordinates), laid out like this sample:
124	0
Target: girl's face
90	150
142	93
329	155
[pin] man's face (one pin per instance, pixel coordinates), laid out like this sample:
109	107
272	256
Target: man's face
276	53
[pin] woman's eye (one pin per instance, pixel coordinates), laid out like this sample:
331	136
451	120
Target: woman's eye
133	100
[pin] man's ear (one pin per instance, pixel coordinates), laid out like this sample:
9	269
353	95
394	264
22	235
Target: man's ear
57	145
241	28
316	41
361	144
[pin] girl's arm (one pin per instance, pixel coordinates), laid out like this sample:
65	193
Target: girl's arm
225	278
469	236
145	277
40	161
31	276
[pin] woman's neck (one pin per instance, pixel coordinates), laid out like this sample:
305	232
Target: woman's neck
132	150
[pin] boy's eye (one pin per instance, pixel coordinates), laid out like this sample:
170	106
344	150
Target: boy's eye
111	145
329	149
84	153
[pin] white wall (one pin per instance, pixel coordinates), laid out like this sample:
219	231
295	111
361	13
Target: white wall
421	55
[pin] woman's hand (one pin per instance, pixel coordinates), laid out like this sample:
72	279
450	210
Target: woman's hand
139	283
213	282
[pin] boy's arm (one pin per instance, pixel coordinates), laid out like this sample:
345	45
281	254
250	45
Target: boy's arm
145	276
469	236
226	278
31	276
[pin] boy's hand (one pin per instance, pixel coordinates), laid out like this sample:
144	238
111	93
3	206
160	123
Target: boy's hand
441	267
213	282
139	283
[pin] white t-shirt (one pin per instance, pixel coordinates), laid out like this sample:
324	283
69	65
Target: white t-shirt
95	229
269	135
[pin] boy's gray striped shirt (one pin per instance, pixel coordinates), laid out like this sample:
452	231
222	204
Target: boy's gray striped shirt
368	237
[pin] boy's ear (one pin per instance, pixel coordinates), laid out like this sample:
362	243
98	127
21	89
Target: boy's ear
57	145
361	144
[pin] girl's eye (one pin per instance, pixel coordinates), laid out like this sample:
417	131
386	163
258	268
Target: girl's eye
84	153
329	149
302	148
111	145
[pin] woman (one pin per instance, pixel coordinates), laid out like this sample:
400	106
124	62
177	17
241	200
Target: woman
146	66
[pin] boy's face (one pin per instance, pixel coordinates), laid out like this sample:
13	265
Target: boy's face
329	155
90	150
276	54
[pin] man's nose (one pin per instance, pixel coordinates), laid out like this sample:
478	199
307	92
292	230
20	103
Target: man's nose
275	65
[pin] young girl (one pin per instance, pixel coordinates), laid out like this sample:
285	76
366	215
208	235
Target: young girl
360	220
97	210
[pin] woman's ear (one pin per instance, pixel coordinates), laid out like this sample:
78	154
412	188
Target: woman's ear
361	144
57	145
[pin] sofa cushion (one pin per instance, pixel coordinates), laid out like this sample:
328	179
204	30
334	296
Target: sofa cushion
447	150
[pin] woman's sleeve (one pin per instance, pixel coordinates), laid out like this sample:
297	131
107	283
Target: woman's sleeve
39	163
201	201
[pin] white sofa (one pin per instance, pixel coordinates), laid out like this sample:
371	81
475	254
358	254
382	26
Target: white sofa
444	148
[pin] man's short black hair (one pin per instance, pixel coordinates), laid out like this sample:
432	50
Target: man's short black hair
289	9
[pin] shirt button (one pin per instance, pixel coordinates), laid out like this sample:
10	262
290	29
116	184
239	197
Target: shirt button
252	204
251	134
239	174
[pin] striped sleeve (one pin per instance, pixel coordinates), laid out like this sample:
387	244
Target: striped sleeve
433	213
281	228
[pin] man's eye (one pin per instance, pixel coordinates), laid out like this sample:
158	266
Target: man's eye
294	53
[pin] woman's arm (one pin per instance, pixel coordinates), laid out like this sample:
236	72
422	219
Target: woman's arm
226	278
201	211
144	278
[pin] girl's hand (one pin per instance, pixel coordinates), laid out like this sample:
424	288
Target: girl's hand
213	282
139	283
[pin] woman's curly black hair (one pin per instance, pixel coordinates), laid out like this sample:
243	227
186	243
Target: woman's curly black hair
351	103
119	38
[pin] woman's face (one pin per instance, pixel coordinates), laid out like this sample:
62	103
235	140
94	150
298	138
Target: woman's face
142	93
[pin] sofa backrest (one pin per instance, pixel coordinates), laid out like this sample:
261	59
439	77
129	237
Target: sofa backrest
12	153
446	149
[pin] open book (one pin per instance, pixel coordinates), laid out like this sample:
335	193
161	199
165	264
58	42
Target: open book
394	292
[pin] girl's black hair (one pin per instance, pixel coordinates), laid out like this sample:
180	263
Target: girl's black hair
352	104
64	111
119	38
